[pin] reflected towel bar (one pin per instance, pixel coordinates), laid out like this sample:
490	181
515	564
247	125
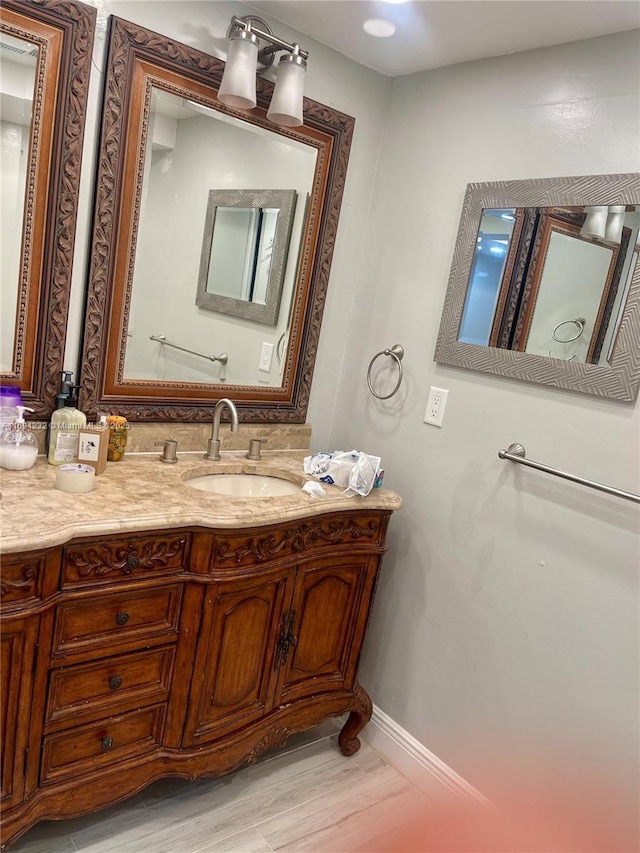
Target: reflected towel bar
223	358
516	453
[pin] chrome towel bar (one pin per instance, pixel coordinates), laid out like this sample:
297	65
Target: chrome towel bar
223	358
517	453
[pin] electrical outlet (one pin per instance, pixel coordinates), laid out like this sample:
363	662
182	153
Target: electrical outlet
266	357
436	403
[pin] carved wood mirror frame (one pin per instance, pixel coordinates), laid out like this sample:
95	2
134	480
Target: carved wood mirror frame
617	380
63	34
138	59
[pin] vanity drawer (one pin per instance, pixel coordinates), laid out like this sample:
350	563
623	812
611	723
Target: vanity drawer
123	558
84	749
120	683
110	623
241	548
27	578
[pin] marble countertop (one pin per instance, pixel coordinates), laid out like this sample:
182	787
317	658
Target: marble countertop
142	493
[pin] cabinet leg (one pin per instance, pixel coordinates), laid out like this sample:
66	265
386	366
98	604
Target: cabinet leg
358	719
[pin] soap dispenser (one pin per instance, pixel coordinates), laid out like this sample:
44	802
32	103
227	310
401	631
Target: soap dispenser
65	388
64	430
18	446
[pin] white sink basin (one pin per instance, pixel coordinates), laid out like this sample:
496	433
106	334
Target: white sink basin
244	485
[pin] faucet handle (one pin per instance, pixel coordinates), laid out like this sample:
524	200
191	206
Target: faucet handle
170	449
254	449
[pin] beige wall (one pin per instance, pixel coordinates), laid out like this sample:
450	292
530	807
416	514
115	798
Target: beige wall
506	620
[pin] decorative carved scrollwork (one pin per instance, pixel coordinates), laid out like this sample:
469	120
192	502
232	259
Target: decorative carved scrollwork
297	539
146	555
29	576
275	737
77	23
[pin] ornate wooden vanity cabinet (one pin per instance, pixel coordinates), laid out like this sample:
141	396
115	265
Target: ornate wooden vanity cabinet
185	652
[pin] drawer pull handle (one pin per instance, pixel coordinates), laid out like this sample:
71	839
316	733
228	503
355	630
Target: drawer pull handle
132	561
122	618
106	743
115	682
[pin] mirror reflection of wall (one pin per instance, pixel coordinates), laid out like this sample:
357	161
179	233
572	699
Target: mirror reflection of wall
241	250
542	283
18	60
189	150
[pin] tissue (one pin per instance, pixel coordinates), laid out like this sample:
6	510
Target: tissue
355	472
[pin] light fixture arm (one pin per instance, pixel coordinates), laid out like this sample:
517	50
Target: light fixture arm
267	53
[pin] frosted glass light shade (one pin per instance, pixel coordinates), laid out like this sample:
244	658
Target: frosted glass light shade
615	221
238	85
286	104
595	223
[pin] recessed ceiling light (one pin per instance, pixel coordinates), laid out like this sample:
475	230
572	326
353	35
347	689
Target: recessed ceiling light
394	1
379	28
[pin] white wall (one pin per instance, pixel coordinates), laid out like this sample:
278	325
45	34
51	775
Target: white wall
506	620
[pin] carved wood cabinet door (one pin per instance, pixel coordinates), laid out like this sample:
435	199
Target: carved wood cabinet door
325	625
18	638
235	655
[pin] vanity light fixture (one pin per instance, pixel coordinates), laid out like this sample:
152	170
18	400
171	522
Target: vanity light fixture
615	221
247	57
595	222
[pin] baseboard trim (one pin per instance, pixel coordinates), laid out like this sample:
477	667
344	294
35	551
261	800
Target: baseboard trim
414	760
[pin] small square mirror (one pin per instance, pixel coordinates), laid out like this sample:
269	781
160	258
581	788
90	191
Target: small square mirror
244	254
545	284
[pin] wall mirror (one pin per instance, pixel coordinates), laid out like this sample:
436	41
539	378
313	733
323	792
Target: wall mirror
175	168
45	57
245	249
545	284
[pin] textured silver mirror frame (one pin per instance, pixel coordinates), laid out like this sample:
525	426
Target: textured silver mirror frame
620	379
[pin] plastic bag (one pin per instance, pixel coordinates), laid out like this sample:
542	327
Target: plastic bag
357	473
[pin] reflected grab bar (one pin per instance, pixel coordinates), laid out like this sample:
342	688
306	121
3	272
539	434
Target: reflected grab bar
516	453
223	358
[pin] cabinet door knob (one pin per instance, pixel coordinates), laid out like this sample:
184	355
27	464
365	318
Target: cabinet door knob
122	618
115	682
106	743
132	561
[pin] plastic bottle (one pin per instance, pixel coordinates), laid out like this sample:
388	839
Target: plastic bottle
18	446
65	423
10	399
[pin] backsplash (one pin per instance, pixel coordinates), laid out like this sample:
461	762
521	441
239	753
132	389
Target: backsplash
147	438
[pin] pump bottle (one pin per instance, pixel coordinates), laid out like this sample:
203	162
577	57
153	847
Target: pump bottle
64	427
18	446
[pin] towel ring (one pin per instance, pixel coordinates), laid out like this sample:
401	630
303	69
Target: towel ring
396	352
579	321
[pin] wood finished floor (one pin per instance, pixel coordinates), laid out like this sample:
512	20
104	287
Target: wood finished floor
305	797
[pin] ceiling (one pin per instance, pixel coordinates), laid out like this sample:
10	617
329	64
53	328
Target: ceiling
432	33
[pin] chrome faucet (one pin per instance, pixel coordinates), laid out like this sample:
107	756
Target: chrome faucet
213	445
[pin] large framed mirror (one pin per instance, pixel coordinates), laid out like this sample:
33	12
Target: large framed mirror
169	150
45	61
545	284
